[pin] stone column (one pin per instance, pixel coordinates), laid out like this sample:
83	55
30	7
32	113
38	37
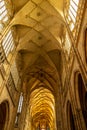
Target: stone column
80	120
28	121
58	109
77	112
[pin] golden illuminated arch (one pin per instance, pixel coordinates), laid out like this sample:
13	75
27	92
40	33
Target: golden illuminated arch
42	106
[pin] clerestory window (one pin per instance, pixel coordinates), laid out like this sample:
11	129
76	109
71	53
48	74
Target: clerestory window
20	103
19	110
7	41
71	13
3	14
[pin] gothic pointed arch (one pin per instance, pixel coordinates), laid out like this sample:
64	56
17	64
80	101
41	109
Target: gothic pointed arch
70	117
4	115
81	95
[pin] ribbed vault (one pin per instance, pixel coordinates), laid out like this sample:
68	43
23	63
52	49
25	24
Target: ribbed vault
40	27
42	107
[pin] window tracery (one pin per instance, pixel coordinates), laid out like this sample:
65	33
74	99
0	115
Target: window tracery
20	104
71	9
3	14
7	42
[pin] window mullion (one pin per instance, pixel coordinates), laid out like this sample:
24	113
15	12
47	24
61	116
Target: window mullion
72	16
75	2
73	9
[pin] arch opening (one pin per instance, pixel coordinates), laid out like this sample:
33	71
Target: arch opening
70	117
3	115
82	97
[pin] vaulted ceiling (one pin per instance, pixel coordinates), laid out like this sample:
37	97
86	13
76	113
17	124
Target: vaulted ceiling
40	28
42	106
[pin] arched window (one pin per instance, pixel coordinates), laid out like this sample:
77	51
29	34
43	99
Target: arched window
7	42
70	117
19	109
6	12
20	103
3	14
4	115
71	8
82	97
